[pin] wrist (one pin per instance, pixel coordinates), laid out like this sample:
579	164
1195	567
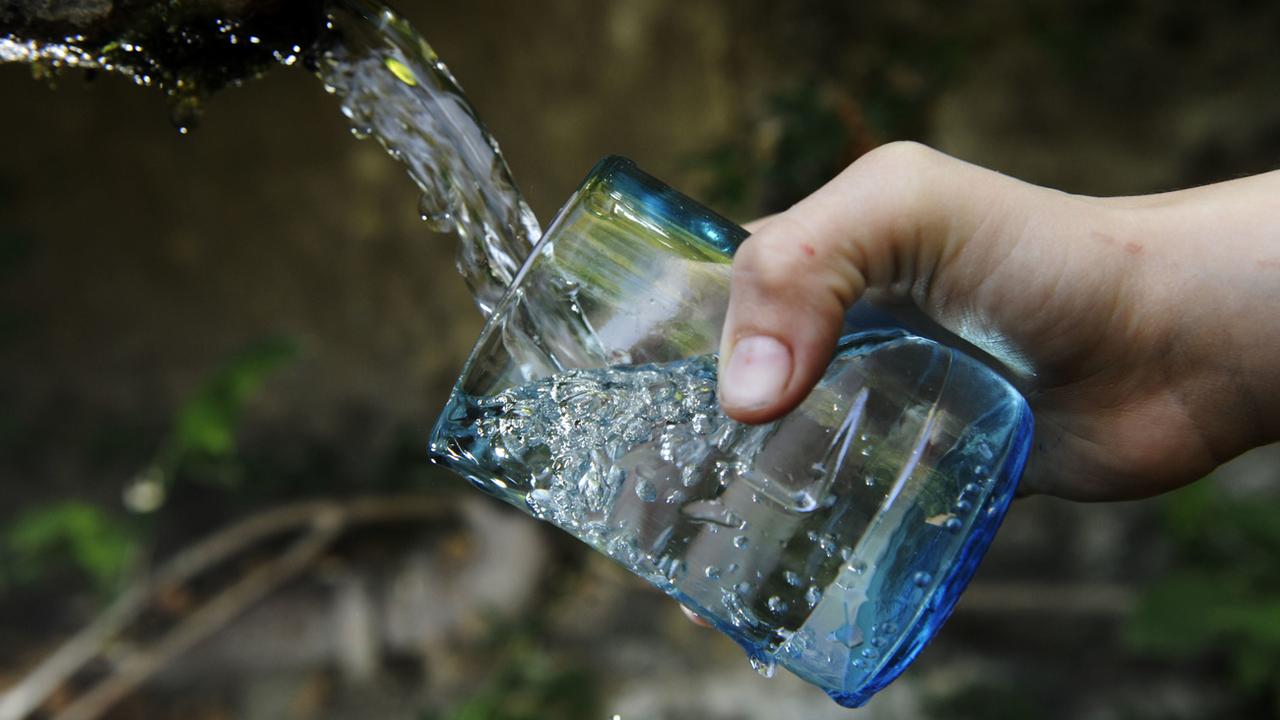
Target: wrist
1215	267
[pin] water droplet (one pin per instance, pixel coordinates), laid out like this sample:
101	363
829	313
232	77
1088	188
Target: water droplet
777	605
646	491
972	488
812	595
953	524
540	502
803	501
742	588
675	497
741	541
870	653
921	579
828	545
765	667
712	572
962	506
689	475
434	212
857	567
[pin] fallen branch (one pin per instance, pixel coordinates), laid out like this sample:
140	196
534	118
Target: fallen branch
326	518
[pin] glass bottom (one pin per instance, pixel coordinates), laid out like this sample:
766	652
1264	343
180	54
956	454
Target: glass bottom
834	542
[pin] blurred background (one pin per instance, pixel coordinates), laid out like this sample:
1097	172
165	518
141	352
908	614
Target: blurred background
221	352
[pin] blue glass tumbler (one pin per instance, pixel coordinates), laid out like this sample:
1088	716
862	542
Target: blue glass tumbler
834	541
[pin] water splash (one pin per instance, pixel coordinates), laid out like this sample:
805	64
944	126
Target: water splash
395	89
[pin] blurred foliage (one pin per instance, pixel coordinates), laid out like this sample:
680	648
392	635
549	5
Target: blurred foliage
824	82
987	701
43	540
806	143
529	684
203	442
1221	600
46	543
845	92
16	248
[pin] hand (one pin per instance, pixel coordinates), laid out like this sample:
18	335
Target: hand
1150	326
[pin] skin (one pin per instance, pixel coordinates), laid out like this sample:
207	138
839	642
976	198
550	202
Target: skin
1150	325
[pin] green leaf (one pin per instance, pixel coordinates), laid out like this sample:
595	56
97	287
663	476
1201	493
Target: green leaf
206	425
78	533
1169	620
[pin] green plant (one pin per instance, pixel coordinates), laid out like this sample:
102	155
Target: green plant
987	701
1222	597
78	534
529	684
42	543
202	444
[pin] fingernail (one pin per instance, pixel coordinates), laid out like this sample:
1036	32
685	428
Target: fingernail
757	372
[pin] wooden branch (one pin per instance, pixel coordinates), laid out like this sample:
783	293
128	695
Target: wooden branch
211	616
20	700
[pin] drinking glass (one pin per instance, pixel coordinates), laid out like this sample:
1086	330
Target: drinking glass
834	541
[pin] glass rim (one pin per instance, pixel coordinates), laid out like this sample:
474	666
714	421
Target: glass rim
611	171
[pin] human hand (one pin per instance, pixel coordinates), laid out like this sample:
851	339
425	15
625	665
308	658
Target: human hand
1149	326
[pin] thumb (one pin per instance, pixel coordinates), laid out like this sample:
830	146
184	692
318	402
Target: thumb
883	223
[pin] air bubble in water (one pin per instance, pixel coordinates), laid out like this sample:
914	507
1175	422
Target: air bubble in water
921	579
646	491
803	501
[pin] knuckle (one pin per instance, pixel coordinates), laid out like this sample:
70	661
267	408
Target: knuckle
796	266
895	174
781	257
901	156
898	183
